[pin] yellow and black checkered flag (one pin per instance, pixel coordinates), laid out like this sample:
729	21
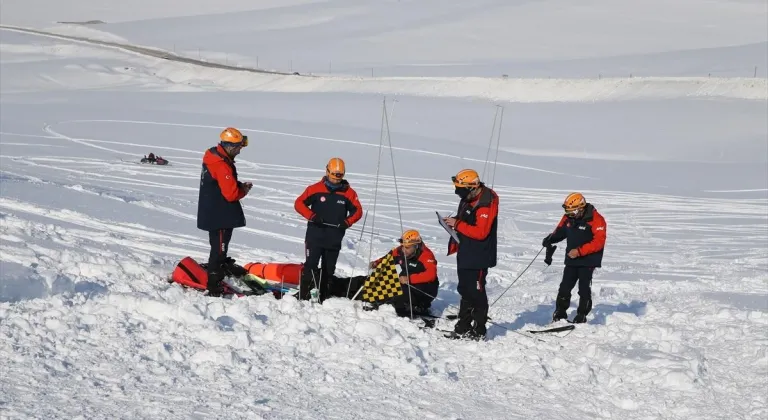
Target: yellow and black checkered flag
384	283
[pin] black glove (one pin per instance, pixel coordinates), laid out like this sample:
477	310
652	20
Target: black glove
550	251
547	242
316	219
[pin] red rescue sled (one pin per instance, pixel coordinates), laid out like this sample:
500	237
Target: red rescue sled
285	275
277	276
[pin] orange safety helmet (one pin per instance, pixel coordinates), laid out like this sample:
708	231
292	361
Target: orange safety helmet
335	169
411	238
574	203
466	178
233	136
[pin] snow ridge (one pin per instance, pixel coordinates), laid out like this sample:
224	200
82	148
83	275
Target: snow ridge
175	69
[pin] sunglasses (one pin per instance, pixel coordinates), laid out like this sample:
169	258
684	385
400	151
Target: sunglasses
572	211
337	174
241	144
458	183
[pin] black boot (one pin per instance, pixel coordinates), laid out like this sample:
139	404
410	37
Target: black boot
232	269
464	324
585	307
479	318
307	282
561	308
214	283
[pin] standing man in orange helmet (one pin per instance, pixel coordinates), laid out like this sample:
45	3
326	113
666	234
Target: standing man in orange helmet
330	206
475	224
218	208
585	231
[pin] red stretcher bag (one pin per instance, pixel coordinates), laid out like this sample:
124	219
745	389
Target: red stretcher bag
276	273
189	273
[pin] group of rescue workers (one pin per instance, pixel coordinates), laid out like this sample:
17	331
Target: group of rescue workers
331	207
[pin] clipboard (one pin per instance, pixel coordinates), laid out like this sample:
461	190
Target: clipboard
447	228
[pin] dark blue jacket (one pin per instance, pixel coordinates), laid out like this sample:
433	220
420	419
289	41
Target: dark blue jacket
220	193
476	227
587	234
339	207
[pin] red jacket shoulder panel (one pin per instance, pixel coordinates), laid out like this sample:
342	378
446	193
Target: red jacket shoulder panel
221	171
599	228
484	218
428	261
354	201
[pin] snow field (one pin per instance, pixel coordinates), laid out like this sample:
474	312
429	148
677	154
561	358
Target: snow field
182	340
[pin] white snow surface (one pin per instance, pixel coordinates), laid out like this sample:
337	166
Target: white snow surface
677	163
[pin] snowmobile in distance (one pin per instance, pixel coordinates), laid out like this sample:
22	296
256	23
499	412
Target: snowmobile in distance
155	160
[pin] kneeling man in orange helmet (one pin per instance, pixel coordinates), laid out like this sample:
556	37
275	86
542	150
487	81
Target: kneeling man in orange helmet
330	206
585	231
418	274
475	224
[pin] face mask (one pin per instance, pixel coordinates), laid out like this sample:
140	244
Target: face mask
462	192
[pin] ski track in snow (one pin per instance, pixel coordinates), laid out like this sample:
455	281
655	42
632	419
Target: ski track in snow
107	324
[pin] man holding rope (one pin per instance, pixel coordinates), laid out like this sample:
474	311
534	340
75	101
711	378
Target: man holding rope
475	224
584	230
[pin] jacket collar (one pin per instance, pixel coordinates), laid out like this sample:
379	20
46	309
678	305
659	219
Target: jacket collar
588	213
482	195
223	153
344	184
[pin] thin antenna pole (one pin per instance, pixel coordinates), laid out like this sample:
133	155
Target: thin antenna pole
376	184
490	141
399	211
498	140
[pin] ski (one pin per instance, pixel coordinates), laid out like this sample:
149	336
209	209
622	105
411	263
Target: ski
553	329
456	316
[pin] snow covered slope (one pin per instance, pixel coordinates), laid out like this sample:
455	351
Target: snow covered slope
679	168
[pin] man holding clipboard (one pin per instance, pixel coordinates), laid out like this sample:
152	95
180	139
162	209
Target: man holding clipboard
473	240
